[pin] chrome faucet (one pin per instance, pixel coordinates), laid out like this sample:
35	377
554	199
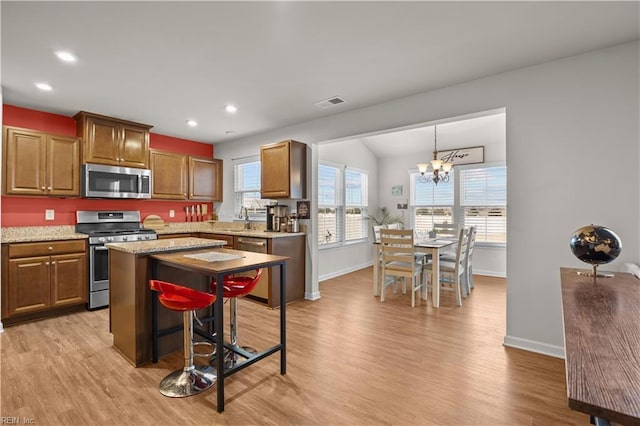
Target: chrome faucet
247	224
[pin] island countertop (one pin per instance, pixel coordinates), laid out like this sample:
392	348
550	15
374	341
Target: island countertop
165	245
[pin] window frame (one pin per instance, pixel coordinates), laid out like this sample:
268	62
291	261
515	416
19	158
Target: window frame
458	208
341	207
256	213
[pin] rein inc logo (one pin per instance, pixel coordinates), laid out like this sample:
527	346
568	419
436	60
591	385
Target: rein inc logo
6	420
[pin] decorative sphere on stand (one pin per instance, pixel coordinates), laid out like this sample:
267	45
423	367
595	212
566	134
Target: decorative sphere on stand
595	245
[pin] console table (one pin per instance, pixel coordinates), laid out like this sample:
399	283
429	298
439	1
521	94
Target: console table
602	345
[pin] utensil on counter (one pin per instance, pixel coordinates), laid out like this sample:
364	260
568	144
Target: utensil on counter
204	212
198	214
186	213
153	221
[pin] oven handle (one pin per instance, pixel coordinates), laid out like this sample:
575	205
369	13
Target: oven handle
100	248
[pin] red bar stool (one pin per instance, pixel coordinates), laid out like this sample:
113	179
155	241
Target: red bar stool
233	288
192	379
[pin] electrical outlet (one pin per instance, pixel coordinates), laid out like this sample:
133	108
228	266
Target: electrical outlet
172	213
49	214
402	206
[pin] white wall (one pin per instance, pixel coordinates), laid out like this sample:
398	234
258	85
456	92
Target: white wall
572	158
337	261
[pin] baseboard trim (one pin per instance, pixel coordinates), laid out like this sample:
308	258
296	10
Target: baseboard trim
533	346
345	271
490	273
312	296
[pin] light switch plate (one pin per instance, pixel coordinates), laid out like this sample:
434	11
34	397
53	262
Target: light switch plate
49	214
172	213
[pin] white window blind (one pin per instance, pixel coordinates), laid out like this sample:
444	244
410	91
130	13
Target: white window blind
356	190
329	204
342	204
431	203
483	200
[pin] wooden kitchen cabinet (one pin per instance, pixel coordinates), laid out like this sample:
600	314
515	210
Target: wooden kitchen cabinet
38	163
284	170
185	177
169	175
112	141
205	179
39	278
228	238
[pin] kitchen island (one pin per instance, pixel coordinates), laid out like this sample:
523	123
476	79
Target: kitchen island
130	299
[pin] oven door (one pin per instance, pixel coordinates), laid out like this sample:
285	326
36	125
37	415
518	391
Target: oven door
98	268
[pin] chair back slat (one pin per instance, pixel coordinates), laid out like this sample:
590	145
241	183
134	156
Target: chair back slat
446	230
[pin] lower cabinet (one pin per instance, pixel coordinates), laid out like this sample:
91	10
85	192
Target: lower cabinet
42	277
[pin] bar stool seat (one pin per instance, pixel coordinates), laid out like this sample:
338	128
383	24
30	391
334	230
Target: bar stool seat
191	379
233	288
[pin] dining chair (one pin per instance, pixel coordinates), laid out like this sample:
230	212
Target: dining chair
446	230
468	278
399	260
452	274
375	229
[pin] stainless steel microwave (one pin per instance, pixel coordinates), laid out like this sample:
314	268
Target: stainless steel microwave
100	181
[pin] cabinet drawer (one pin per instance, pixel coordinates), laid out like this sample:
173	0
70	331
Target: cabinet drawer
46	248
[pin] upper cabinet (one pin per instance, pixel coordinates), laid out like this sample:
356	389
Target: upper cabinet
205	179
284	170
169	175
38	163
111	141
181	177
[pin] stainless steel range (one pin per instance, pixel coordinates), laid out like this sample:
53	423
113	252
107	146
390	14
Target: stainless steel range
107	227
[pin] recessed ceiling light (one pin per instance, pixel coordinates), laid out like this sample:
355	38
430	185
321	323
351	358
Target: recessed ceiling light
230	132
192	123
66	56
44	86
230	108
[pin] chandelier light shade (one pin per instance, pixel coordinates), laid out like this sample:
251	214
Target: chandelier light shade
440	169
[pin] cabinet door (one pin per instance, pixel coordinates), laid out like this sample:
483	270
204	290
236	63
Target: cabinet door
24	156
168	175
133	146
28	285
205	179
274	160
63	165
101	145
68	279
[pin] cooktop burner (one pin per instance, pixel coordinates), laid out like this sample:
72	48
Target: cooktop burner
112	226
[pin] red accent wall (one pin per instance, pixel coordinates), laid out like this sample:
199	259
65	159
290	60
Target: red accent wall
30	211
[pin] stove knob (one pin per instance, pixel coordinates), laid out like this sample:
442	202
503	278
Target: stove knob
109	238
101	240
147	237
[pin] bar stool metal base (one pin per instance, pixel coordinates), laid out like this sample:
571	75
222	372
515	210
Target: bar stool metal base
231	359
190	382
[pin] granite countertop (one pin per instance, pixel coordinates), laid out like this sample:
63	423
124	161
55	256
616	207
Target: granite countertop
21	234
222	228
165	245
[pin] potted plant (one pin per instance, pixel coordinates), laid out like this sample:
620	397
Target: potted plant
382	216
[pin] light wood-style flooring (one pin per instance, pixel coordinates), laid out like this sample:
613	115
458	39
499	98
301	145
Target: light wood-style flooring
351	361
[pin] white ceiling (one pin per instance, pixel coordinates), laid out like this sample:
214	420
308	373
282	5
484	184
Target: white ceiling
162	63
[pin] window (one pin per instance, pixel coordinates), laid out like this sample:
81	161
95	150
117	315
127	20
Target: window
342	204
431	203
483	202
246	174
473	197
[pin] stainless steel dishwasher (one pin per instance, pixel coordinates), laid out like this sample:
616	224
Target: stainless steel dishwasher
257	245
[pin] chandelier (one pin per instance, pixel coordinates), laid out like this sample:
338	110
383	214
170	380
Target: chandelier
440	169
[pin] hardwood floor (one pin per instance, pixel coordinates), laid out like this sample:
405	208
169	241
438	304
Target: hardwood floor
351	360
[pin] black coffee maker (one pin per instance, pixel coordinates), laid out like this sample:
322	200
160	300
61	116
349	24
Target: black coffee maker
275	213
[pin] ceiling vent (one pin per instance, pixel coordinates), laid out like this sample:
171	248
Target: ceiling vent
331	102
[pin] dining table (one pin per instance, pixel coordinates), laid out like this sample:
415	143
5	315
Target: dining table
430	245
205	262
